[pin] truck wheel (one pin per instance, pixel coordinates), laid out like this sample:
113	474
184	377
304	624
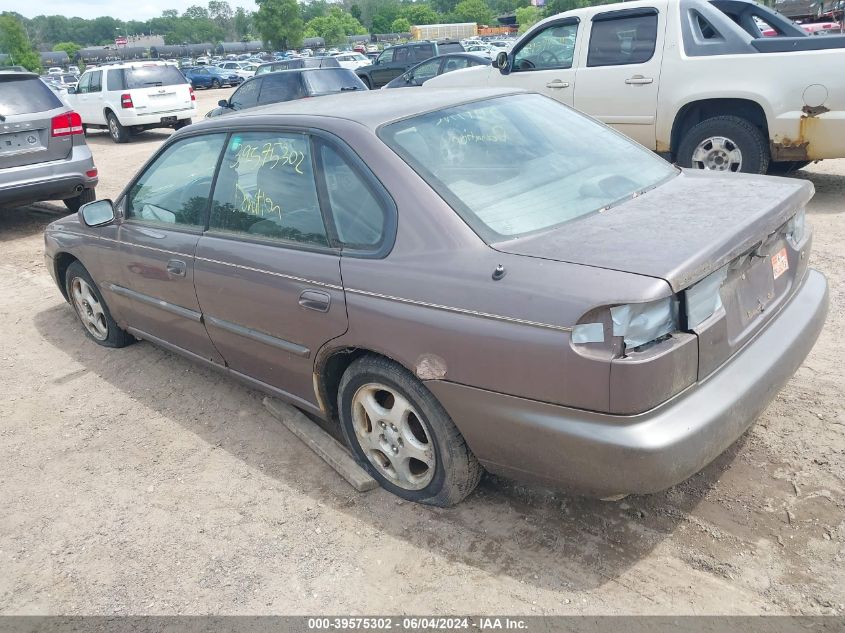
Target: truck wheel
92	311
725	143
402	435
783	167
86	196
118	133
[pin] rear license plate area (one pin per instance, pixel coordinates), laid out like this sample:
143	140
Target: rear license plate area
756	289
168	120
19	141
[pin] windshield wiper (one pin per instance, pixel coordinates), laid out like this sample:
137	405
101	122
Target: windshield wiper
346	88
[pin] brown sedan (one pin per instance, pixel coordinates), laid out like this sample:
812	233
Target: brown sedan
462	280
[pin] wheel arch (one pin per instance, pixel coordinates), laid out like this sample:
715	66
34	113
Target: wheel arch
329	368
62	262
694	112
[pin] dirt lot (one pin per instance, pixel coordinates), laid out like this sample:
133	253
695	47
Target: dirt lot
132	481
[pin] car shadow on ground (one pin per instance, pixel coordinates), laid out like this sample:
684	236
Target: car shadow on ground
19	222
101	137
830	189
541	537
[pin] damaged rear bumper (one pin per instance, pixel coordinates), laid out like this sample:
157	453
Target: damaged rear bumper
604	455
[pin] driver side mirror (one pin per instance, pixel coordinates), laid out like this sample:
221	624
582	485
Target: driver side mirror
224	103
503	62
71	90
98	213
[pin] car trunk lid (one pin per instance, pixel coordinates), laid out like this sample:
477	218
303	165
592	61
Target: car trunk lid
680	231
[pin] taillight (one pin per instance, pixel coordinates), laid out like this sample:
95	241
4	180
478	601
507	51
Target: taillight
91	173
66	124
126	101
193	95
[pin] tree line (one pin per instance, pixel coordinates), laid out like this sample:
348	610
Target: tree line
280	24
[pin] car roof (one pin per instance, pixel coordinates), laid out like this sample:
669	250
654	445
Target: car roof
16	74
371	108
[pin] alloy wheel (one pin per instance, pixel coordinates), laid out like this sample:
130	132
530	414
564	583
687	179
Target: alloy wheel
89	309
393	436
717	153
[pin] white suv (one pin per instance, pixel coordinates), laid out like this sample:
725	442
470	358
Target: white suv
132	97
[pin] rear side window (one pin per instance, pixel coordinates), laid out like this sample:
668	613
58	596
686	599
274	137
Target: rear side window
115	80
152	76
266	189
621	41
25	95
281	87
401	55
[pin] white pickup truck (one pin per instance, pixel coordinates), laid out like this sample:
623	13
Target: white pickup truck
695	80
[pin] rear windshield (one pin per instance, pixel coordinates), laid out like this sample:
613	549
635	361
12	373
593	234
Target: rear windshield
518	164
25	95
151	76
321	62
450	47
332	80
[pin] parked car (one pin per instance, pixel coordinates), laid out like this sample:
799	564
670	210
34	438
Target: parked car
211	77
288	85
435	66
396	60
55	70
352	60
127	98
296	63
43	154
757	104
74	70
461	280
66	80
480	49
237	68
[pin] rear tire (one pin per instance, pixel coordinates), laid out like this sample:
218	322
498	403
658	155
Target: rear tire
91	310
118	133
725	143
402	436
367	82
73	204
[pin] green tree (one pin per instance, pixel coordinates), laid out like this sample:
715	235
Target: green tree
71	48
553	7
420	13
314	9
400	25
334	27
355	10
222	15
279	23
196	12
476	11
443	6
242	24
16	43
526	16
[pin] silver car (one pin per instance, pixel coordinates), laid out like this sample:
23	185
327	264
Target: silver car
43	155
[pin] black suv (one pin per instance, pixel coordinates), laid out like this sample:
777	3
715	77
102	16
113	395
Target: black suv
397	59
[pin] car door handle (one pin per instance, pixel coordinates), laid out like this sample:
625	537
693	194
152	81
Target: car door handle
315	300
176	268
637	80
557	83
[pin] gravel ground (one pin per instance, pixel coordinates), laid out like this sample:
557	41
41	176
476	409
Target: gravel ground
132	481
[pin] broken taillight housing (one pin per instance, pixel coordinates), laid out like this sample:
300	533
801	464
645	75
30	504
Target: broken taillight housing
796	228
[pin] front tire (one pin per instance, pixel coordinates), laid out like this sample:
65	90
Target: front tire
118	133
367	82
86	196
91	309
215	84
402	435
725	143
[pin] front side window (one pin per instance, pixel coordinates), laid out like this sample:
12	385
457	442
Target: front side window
96	81
426	71
621	41
246	96
174	190
551	48
84	83
508	173
358	214
266	189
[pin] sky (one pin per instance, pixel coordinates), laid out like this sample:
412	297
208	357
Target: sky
123	10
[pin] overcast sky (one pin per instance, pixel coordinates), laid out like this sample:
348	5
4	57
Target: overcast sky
140	10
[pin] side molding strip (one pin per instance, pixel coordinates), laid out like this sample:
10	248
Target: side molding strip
158	303
282	344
